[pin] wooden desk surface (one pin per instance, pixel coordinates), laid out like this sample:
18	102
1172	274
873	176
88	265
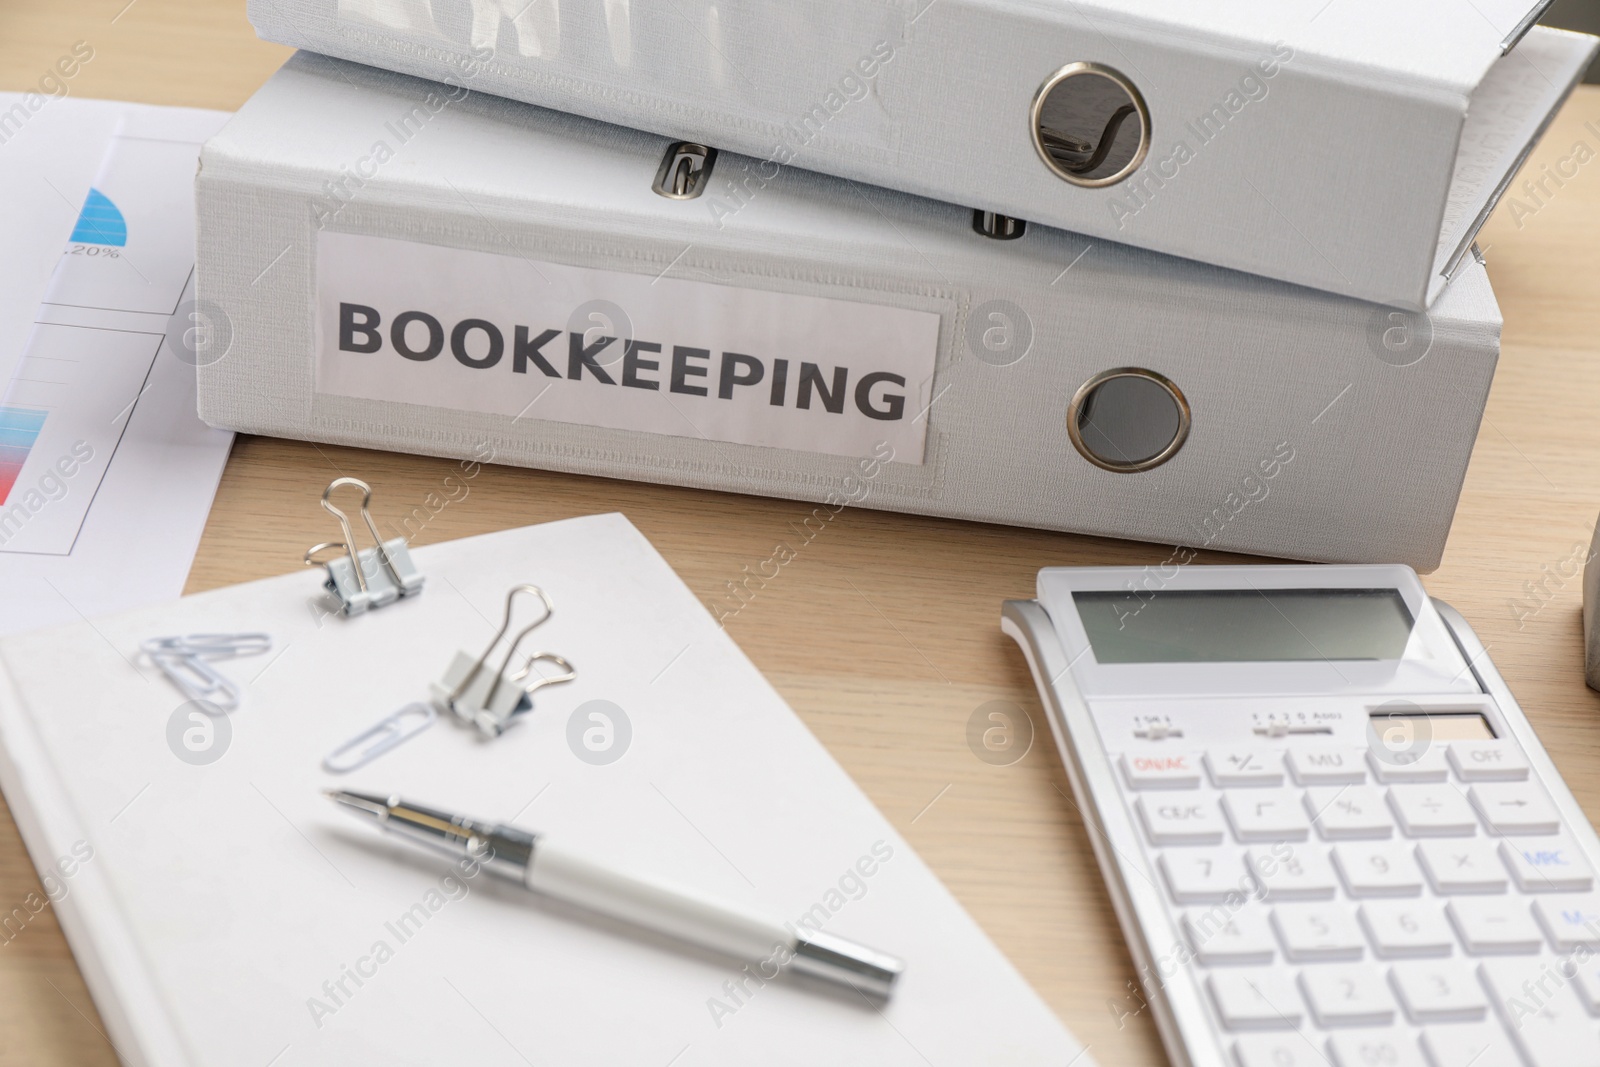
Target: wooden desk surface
882	634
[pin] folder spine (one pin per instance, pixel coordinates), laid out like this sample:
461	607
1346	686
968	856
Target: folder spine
1322	428
1252	125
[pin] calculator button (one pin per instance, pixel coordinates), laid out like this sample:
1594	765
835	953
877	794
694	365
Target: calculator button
1488	761
1255	1000
1267	815
1327	765
1588	983
1468	1046
1401	929
1462	866
1245	766
1277	1050
1497	926
1550	866
1218	937
1202	876
1318	932
1181	819
1424	765
1571	922
1378	869
1438	992
1515	808
1432	811
1292	873
1349	811
1166	770
1346	996
1541	1010
1373	1048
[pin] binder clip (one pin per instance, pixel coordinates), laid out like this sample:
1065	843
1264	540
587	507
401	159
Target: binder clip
184	661
490	700
374	576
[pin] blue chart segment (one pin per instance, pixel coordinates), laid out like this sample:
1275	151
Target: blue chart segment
100	223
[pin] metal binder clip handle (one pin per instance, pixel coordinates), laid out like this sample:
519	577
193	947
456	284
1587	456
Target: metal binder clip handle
489	700
388	732
373	576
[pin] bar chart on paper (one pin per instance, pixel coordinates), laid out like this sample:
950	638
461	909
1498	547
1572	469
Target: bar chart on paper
89	358
103	459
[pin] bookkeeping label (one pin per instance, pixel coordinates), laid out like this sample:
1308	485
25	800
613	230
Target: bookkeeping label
476	331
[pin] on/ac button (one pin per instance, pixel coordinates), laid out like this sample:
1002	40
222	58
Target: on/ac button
1166	770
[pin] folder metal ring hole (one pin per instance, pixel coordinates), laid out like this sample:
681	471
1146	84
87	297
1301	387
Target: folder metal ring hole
1128	419
685	171
1090	125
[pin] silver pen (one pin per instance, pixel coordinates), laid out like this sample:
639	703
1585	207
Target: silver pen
552	870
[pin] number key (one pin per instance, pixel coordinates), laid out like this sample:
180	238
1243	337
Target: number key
1312	932
1382	869
1202	876
1410	928
1299	872
1346	996
1438	992
1254	1000
1218	936
1374	1049
1277	1050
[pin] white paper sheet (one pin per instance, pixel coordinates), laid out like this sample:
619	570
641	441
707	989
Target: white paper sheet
106	473
225	904
50	150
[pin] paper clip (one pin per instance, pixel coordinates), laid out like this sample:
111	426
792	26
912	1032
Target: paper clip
183	660
374	576
491	701
388	732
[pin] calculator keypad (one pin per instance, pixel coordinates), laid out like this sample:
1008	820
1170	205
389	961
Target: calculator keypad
1349	909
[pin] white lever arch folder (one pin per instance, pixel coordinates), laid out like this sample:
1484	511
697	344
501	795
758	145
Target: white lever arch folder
1354	147
502	283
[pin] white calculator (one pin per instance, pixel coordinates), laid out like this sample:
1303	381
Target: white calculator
1330	835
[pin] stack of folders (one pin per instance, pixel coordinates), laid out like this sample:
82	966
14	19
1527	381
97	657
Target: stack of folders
1200	273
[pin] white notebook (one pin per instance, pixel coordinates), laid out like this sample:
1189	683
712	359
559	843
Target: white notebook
224	907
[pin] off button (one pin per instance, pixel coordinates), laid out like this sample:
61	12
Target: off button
1488	761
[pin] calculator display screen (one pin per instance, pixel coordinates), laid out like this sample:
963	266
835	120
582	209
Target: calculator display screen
1244	625
1402	730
